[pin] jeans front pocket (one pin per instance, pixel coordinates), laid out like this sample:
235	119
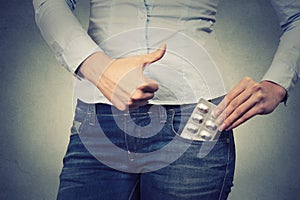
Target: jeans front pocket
178	119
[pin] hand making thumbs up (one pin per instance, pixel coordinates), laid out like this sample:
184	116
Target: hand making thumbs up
122	80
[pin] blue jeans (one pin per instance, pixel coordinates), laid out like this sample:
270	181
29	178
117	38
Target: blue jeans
130	162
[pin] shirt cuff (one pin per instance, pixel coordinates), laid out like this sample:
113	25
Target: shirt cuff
76	52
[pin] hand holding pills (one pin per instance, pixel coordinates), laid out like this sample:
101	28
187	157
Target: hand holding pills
247	99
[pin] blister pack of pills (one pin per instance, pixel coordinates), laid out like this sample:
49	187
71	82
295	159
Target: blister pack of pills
201	124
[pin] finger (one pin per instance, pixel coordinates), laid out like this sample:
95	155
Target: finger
237	90
233	105
156	55
248	115
139	98
232	94
148	87
139	95
239	112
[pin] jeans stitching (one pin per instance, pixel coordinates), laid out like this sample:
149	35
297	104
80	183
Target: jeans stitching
133	190
82	121
226	171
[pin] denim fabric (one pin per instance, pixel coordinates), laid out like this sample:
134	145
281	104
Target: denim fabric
176	173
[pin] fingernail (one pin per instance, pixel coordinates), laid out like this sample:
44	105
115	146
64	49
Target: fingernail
216	113
213	114
163	45
222	127
219	121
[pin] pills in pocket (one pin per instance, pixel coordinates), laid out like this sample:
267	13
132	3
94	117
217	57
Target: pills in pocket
201	125
198	118
202	108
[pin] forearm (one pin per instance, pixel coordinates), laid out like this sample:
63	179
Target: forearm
285	67
249	98
93	67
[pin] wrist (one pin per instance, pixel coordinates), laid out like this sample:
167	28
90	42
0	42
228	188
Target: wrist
92	67
279	92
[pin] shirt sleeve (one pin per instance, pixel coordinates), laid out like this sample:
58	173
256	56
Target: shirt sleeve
63	33
285	66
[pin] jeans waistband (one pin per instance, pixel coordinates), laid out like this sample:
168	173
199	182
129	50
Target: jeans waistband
160	111
102	108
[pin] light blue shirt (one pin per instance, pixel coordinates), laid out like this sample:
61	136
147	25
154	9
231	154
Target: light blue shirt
192	67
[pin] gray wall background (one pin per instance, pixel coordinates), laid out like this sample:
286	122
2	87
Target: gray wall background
36	106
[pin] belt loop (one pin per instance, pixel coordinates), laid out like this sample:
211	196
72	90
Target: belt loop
162	110
92	114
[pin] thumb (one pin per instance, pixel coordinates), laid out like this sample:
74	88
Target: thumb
156	55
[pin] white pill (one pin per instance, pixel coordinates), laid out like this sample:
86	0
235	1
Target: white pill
197	118
205	135
210	125
192	128
203	108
